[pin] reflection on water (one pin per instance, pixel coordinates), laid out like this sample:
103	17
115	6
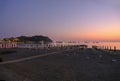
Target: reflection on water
90	44
106	44
109	45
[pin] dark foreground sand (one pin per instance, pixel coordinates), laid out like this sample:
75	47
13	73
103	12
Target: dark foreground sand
75	65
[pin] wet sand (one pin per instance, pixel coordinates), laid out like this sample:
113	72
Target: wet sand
74	65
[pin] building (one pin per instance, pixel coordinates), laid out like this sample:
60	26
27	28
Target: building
83	46
8	45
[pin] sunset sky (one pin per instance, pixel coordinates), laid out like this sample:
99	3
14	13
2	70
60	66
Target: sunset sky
61	19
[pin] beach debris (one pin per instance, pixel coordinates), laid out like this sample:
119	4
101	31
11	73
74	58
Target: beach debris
83	46
114	48
87	57
67	55
26	79
95	47
0	59
74	53
100	56
114	60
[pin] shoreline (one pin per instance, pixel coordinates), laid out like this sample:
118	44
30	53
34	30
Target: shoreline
77	64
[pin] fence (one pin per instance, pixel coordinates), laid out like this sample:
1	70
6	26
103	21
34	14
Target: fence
8	45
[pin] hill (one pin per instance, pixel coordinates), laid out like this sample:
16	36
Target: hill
29	39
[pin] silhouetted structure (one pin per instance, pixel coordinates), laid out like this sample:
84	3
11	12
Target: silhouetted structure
83	46
8	45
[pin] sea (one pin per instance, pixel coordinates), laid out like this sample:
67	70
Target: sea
103	44
111	45
107	44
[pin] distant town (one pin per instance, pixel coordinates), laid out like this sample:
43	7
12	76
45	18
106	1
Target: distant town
14	41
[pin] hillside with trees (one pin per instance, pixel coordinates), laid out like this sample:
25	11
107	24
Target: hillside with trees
28	39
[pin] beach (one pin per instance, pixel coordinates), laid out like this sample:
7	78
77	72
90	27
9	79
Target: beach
66	64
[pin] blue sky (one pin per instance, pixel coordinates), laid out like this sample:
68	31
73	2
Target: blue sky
61	19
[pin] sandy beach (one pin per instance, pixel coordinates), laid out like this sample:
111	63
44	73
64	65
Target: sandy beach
66	65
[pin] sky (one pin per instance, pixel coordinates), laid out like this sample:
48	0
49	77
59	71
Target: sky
61	19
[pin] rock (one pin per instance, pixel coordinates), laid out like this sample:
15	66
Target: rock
114	60
0	60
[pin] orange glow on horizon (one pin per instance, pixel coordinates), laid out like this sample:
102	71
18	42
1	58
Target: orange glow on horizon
108	33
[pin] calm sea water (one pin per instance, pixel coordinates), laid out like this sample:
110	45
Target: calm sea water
90	44
105	44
